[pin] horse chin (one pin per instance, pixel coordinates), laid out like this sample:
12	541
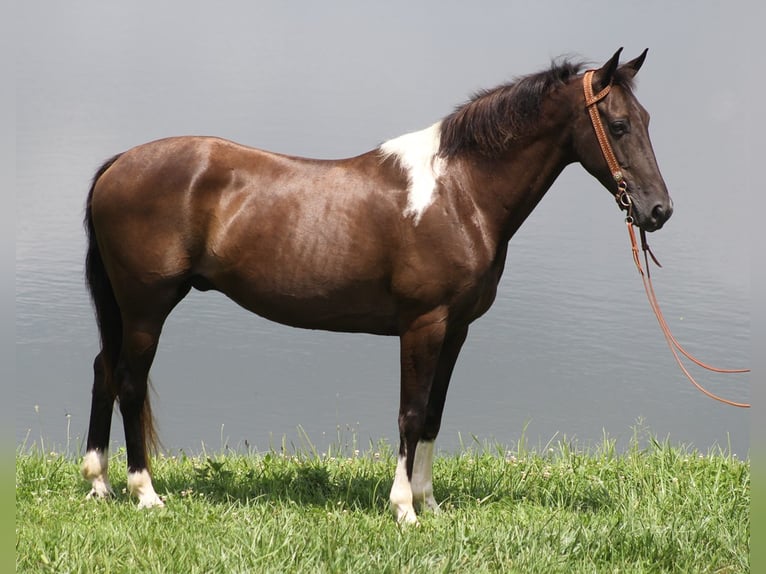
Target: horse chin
648	223
650	226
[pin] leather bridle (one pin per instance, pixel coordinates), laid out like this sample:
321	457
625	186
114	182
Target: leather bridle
621	195
625	203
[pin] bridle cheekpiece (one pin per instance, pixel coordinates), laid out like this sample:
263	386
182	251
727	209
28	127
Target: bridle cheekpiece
621	195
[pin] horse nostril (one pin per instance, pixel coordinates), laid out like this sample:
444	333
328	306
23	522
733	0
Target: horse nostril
661	212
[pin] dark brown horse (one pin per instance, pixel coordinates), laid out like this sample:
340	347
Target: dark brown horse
408	239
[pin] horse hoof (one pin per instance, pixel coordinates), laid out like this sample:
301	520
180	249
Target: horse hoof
431	506
100	490
409	520
150	502
405	516
99	495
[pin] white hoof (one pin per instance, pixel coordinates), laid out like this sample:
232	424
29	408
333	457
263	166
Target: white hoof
140	486
100	489
150	501
404	514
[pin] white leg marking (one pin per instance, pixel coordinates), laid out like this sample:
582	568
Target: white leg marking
422	472
401	495
418	153
94	468
140	485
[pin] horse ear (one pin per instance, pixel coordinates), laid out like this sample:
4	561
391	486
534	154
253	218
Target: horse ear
603	76
631	68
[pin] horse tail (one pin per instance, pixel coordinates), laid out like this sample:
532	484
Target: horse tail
108	315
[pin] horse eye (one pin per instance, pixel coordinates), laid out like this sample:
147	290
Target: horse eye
619	127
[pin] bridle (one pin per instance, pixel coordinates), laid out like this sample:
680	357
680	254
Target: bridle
621	195
625	203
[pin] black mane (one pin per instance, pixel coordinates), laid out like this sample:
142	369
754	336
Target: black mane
493	118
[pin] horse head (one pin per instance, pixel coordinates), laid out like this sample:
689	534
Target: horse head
621	156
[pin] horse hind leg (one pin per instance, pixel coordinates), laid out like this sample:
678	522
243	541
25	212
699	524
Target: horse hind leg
132	375
130	385
142	325
96	461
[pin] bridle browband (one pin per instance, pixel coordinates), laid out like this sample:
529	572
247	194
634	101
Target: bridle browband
625	203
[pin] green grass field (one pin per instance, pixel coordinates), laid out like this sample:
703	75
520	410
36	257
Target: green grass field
655	509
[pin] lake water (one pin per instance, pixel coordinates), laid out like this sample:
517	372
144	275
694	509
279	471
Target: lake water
570	347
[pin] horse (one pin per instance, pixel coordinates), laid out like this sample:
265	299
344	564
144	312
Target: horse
408	239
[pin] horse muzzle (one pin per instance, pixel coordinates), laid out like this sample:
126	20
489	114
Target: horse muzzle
654	216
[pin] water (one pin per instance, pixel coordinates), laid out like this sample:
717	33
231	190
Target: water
570	347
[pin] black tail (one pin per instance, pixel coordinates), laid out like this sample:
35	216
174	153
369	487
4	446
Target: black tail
108	316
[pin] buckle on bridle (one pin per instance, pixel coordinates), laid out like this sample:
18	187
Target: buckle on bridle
624	201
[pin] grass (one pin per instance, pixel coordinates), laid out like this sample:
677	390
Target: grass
658	508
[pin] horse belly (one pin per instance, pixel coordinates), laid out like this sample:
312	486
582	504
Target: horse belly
303	275
313	301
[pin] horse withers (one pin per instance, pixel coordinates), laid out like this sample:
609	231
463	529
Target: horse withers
408	239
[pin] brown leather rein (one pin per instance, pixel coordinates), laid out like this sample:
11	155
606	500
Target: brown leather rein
625	203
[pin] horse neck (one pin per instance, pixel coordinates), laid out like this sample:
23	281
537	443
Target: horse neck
507	189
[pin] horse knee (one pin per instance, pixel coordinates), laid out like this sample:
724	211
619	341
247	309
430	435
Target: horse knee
411	423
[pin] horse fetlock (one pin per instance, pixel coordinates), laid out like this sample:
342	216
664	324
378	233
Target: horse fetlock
94	469
422	482
401	495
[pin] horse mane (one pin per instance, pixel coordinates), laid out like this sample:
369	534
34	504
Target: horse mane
493	118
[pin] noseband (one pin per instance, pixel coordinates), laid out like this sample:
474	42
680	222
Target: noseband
621	195
626	204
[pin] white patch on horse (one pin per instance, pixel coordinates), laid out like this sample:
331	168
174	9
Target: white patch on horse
422	481
140	485
401	495
95	465
418	153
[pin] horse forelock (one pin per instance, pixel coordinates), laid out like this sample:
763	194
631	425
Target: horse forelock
417	153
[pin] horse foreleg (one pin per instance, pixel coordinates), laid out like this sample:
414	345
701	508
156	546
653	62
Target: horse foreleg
420	344
95	463
422	473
